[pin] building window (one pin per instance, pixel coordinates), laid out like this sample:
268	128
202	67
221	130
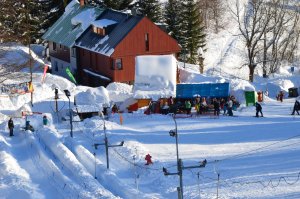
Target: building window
73	52
60	46
54	46
147	42
55	66
118	64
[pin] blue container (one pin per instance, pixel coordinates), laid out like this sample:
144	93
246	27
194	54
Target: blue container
187	91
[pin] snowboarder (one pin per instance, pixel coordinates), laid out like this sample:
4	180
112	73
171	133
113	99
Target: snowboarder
148	159
258	109
296	107
11	127
45	120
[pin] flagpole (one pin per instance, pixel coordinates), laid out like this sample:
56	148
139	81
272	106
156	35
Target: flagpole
30	67
30	61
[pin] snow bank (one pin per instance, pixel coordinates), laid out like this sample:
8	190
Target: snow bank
238	88
12	176
106	178
87	95
18	55
50	137
119	92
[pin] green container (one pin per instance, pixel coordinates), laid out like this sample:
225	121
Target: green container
250	98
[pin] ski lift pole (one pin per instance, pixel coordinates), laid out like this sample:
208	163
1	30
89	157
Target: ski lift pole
106	143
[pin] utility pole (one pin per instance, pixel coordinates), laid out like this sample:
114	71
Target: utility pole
56	98
68	94
30	67
106	143
180	167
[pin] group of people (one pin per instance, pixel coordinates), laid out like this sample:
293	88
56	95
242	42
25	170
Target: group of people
202	105
11	125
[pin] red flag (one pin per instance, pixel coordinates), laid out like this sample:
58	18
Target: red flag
44	75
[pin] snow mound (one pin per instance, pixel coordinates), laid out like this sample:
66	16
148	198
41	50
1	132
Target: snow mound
89	96
119	92
14	54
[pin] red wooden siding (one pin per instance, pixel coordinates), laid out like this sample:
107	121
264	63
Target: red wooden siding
160	43
94	62
61	52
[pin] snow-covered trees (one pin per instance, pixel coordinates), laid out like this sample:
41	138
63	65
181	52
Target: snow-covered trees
185	24
212	11
192	30
113	4
27	20
270	31
173	19
151	9
48	13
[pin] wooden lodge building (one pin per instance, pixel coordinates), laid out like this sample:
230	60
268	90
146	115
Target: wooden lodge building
100	45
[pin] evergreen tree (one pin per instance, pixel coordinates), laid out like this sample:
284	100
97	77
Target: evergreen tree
151	9
113	4
26	20
193	31
173	19
48	13
117	4
16	22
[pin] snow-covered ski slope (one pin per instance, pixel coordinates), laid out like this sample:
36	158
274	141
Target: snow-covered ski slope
254	157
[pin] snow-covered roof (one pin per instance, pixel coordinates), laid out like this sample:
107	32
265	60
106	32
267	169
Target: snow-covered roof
155	76
105	45
86	108
70	26
102	23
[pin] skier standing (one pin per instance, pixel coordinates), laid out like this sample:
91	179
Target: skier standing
11	127
258	109
296	107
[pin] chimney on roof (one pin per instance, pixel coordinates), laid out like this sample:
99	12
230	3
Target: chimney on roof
82	2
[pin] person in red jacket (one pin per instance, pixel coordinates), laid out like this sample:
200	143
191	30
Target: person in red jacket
148	159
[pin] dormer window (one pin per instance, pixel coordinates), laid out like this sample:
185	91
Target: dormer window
103	26
100	31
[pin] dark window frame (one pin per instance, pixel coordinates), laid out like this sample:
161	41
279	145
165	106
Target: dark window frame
118	64
54	46
73	52
147	48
